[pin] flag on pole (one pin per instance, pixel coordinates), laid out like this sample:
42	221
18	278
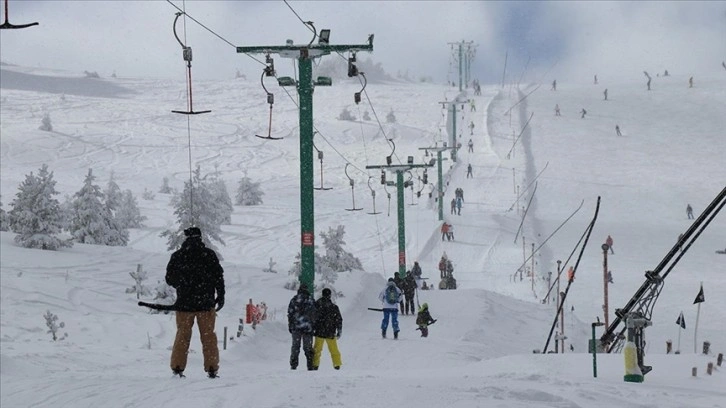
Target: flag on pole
681	321
700	298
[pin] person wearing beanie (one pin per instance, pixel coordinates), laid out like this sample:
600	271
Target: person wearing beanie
390	296
328	327
194	271
424	319
300	318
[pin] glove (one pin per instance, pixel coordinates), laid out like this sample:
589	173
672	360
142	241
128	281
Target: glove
340	333
289	328
220	303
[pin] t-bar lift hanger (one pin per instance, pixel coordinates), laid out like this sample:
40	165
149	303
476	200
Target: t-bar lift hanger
188	58
8	25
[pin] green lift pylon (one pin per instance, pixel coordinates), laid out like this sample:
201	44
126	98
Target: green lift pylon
440	173
454	145
305	54
399	169
463	59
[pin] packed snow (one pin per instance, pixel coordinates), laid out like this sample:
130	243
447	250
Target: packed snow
480	352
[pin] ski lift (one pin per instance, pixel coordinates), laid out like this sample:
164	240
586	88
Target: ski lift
388	194
373	195
269	70
409	183
356	96
389	158
352	189
8	25
187	54
320	157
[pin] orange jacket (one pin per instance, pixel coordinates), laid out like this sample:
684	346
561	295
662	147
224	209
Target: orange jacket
445	228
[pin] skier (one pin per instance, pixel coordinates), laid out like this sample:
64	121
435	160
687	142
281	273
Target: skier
689	211
690	82
300	319
468	171
390	296
451	232
399	284
471	144
610	277
409	292
471	128
583	112
609	242
445	231
416	270
617	130
424	319
606	94
328	327
459	201
194	271
557	110
453	205
442	266
472	106
554	85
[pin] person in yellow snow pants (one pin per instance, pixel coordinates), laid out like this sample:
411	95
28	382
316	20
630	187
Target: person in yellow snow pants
328	328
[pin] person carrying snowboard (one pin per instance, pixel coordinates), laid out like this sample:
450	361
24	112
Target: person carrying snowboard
424	319
390	296
409	292
328	327
194	271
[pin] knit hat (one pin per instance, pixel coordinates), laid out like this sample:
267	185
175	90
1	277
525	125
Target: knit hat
193	232
303	288
390	280
327	292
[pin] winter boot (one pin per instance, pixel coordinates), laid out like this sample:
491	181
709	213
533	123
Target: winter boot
212	374
395	335
383	333
178	372
424	332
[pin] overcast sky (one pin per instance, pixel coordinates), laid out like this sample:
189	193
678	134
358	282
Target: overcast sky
570	41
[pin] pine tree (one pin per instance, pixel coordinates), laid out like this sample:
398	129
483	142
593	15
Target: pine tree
36	216
112	195
128	213
248	193
194	208
335	256
91	221
165	189
221	198
3	218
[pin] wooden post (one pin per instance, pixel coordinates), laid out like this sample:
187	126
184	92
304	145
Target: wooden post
694	372
719	360
669	347
709	368
225	338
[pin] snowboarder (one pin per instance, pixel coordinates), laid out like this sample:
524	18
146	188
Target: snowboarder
390	296
557	110
442	266
690	82
472	106
194	271
445	231
399	284
471	128
609	242
409	292
554	85
300	319
606	94
424	319
471	144
617	130
453	205
328	327
689	211
583	112
459	201
468	171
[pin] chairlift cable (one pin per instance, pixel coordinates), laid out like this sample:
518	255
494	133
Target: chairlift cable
305	23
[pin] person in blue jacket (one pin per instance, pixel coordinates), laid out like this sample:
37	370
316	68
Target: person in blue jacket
390	296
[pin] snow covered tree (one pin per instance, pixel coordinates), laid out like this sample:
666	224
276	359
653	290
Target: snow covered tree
271	267
139	276
248	193
391	117
45	123
221	199
54	327
3	218
148	194
165	189
128	214
346	115
91	222
335	256
112	195
327	275
36	216
194	208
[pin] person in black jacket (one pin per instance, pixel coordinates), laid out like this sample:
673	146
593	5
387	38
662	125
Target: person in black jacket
300	319
328	327
409	292
399	284
194	271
